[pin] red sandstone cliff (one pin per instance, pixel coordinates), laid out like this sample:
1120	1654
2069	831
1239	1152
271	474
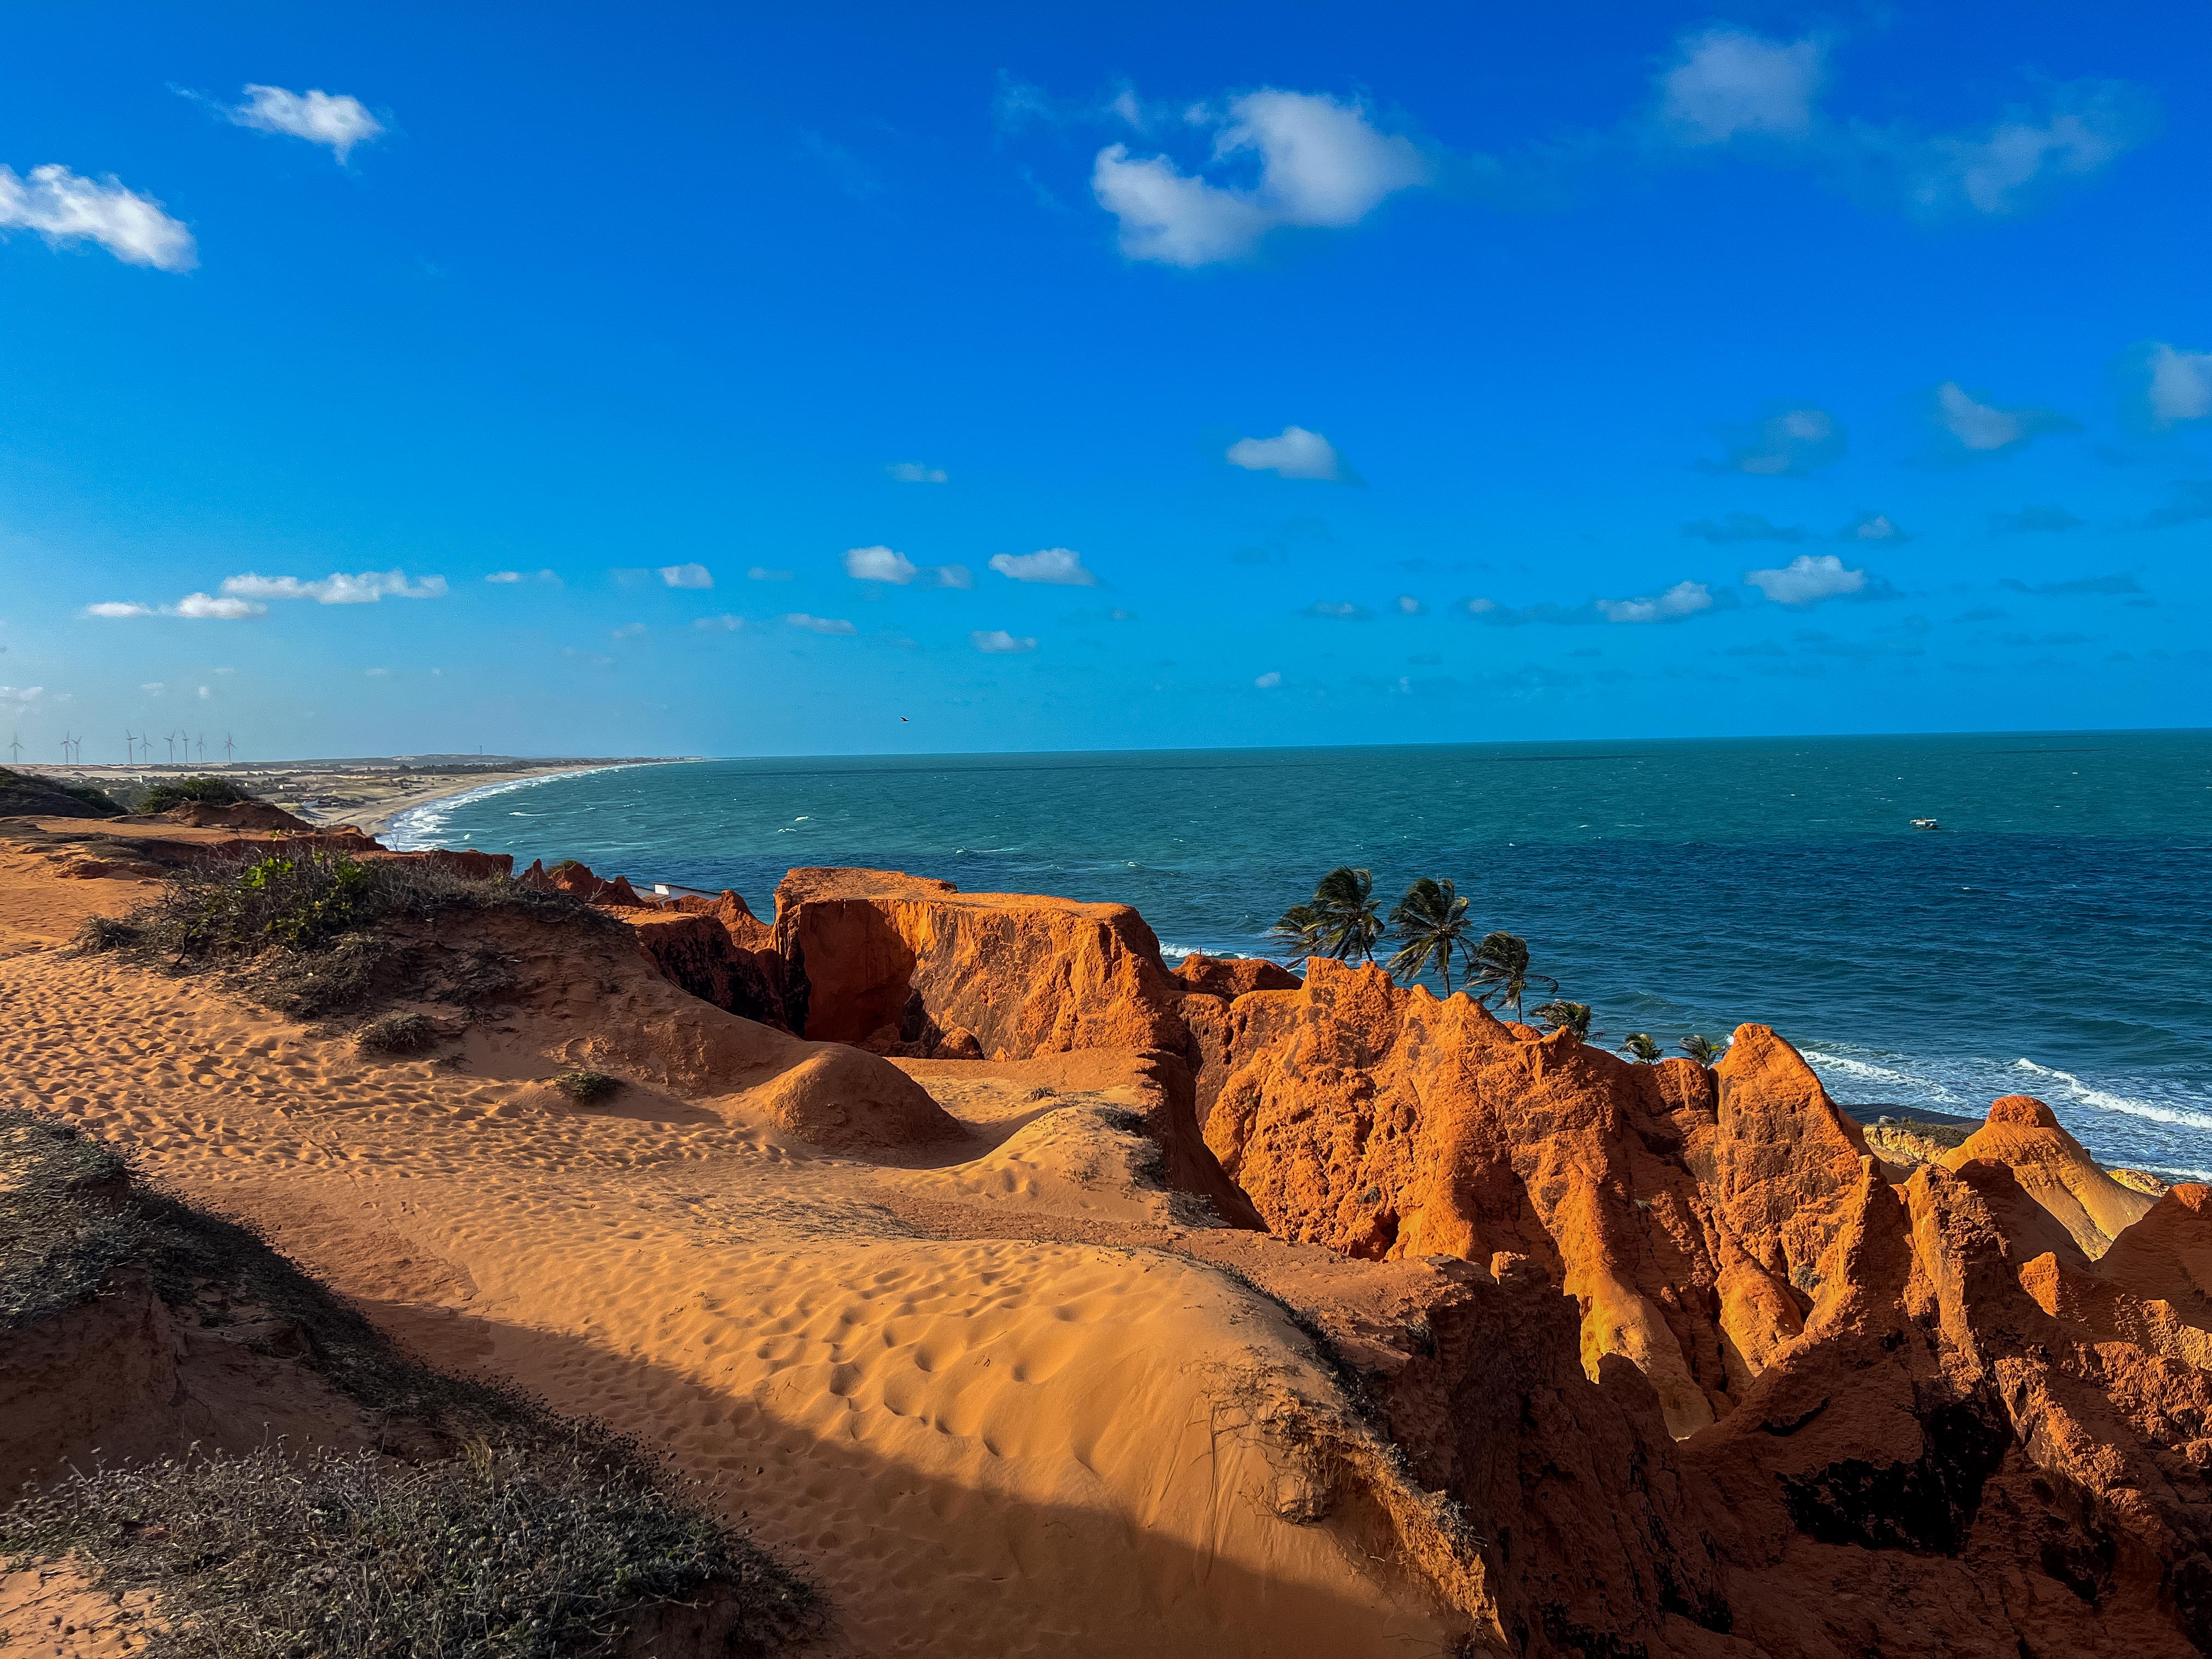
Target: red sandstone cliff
901	964
1685	1212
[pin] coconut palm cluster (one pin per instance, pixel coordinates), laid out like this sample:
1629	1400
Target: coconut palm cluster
1435	934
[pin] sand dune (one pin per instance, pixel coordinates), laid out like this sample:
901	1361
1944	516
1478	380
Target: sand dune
972	1445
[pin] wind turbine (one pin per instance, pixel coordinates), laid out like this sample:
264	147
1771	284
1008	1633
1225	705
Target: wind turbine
15	746
226	748
170	738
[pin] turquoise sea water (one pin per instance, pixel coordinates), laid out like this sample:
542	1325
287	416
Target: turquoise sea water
2052	938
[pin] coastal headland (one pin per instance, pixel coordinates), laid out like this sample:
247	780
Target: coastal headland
366	791
1016	1291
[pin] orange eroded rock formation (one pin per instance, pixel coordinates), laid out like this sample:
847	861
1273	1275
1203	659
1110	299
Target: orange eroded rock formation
1685	1212
2053	1169
900	964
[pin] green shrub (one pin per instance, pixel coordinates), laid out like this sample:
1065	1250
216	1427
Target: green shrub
302	931
177	792
585	1087
33	794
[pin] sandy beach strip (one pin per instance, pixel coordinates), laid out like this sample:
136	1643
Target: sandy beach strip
384	821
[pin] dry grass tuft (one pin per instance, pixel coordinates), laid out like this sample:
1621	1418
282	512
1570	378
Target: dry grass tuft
586	1087
397	1034
508	1552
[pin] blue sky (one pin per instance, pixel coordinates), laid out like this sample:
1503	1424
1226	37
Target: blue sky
556	381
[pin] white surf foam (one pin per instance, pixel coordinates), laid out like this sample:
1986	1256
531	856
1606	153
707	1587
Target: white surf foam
423	826
2074	1090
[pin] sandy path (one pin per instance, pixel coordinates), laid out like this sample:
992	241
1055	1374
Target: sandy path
974	1446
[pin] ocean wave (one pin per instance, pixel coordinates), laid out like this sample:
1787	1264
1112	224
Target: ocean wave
1867	1071
2174	1172
1175	952
2083	1094
424	826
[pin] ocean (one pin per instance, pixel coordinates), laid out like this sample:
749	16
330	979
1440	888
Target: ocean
2052	937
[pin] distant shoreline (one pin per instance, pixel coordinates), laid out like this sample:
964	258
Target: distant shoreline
386	820
371	794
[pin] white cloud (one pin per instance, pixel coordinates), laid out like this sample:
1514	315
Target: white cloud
1788	442
1682	600
2180	385
628	631
1731	82
517	576
230	608
1984	428
884	564
1338	611
321	117
998	641
1296	453
687	575
1268	681
1408	605
915	473
367	588
1978	426
1874	527
761	573
723	624
1060	566
377	673
2089	125
118	608
21	697
1322	164
820	625
1808	580
879	564
63	207
156	687
205	695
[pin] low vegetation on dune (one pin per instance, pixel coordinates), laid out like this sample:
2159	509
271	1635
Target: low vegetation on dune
32	795
314	933
61	1234
205	789
507	1552
508	1533
397	1034
586	1087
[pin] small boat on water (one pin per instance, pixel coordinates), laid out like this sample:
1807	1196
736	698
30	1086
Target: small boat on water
1926	824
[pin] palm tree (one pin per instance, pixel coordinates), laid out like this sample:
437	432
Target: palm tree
1300	930
1431	919
1501	962
1702	1050
1341	921
1559	1015
1637	1045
